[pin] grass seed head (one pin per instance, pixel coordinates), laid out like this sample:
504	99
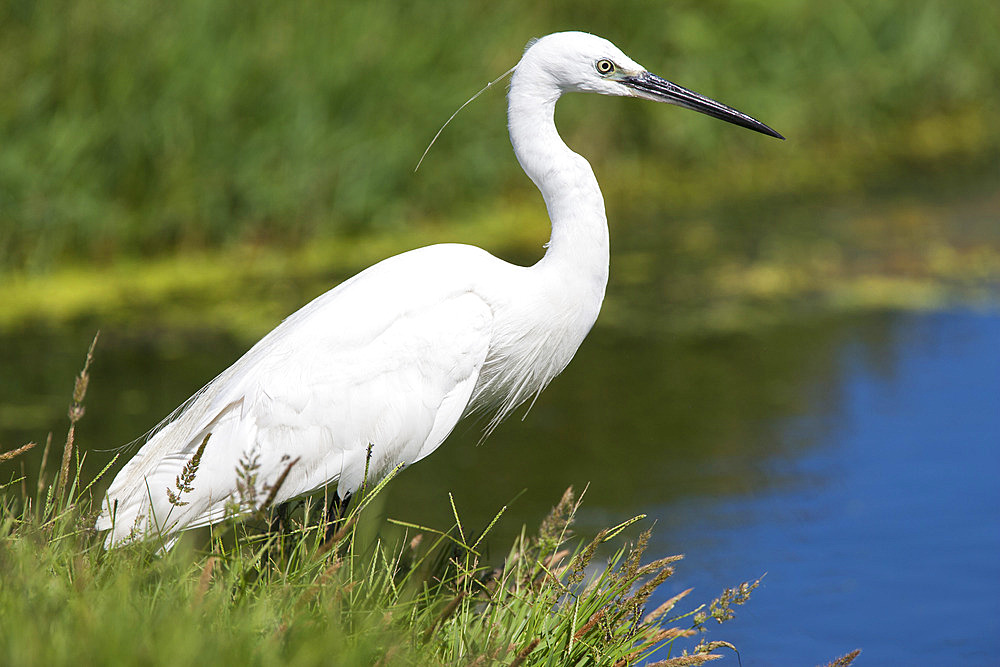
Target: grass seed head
845	660
7	456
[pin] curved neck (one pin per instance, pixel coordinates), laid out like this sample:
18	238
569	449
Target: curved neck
579	240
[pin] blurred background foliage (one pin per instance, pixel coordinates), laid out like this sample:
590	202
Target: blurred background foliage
142	129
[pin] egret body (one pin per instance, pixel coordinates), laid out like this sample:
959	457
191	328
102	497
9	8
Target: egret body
395	356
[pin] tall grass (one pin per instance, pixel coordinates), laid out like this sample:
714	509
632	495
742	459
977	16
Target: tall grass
365	590
146	127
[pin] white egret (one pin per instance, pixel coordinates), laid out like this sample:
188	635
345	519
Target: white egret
394	357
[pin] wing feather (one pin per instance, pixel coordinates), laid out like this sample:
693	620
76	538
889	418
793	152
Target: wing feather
352	368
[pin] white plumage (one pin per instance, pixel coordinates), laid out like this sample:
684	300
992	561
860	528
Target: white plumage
398	354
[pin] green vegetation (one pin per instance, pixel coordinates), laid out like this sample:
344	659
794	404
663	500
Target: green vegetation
370	595
687	275
146	128
364	591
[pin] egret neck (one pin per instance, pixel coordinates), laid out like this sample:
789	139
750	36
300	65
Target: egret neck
578	248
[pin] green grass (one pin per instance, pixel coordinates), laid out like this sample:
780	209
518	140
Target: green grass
376	591
218	165
142	129
689	274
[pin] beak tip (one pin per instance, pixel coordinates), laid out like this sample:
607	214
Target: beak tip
652	87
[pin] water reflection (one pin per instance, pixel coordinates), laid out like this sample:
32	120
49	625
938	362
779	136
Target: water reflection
648	421
644	419
887	538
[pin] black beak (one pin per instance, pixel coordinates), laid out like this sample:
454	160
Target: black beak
652	87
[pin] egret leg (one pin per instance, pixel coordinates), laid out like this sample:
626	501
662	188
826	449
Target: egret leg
277	523
279	519
335	511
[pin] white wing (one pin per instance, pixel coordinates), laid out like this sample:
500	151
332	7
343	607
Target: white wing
389	358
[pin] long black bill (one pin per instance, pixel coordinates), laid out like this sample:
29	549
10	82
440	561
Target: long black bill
654	88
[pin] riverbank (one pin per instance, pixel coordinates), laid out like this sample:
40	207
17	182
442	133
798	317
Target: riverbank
720	270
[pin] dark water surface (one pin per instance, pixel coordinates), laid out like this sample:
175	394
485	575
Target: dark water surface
884	533
854	460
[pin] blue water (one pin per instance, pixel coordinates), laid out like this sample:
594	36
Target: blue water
888	540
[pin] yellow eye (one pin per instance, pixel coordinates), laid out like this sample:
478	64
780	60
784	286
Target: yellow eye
605	67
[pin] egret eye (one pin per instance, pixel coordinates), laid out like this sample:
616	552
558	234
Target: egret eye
605	67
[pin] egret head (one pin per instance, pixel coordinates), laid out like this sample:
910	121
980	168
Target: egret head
581	62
